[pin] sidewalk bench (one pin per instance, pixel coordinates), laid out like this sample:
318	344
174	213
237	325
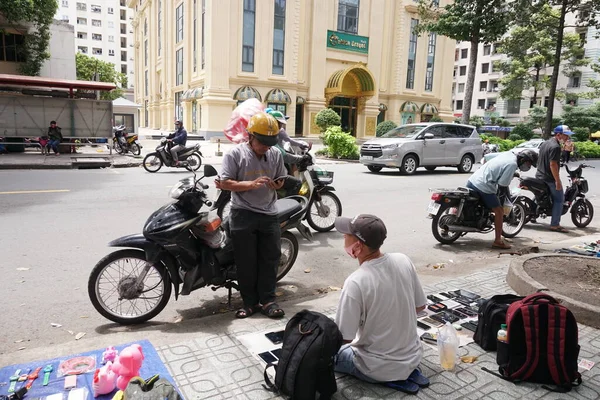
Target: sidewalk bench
67	145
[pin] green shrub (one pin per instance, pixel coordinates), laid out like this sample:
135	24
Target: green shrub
503	122
588	149
435	118
514	136
326	118
581	134
340	144
384	127
524	131
476	121
503	144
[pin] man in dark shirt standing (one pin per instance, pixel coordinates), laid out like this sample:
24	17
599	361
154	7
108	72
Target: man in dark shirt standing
548	170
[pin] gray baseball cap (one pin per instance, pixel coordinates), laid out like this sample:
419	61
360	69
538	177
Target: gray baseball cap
369	229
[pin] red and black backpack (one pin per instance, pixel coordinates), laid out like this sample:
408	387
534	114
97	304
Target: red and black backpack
542	343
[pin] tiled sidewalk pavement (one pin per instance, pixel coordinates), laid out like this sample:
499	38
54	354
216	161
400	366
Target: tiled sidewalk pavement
216	366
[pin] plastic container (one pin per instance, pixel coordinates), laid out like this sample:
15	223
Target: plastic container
502	334
507	207
447	342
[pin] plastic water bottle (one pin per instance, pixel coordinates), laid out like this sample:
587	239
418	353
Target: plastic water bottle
502	335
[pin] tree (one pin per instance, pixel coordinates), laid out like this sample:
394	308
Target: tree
537	116
32	19
326	118
580	117
473	21
93	69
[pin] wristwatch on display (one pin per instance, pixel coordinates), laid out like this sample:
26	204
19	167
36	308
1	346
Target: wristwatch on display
32	377
13	381
47	370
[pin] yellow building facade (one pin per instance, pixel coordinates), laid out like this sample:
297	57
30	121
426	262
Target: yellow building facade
196	60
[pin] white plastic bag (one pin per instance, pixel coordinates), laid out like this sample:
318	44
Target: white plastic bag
447	342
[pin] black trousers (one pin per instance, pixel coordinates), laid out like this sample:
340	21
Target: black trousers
256	242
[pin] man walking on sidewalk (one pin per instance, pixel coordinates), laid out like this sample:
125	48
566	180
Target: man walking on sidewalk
378	308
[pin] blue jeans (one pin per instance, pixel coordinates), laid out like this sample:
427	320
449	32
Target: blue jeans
558	198
344	364
54	145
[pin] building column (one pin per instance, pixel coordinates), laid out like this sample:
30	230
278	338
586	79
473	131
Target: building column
311	108
187	114
366	123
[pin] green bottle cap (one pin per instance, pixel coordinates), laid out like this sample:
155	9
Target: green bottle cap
503	326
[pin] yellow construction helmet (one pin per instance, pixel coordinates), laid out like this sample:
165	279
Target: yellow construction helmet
264	128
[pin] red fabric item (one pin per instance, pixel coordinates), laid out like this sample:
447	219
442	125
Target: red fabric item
236	128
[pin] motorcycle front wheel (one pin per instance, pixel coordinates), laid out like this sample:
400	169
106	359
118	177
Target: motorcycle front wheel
582	213
514	222
194	162
124	288
135	149
322	214
118	148
152	162
289	253
439	226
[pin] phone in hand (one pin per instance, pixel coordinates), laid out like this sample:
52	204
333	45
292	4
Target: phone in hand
280	178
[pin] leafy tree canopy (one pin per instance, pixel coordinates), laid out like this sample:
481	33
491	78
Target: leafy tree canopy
94	69
32	19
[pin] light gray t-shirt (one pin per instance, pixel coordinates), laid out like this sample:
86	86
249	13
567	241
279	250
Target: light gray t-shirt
378	311
242	164
498	171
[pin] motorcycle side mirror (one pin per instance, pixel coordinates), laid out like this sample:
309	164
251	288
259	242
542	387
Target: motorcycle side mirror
428	136
209	171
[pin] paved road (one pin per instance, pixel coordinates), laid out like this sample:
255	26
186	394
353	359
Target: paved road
55	225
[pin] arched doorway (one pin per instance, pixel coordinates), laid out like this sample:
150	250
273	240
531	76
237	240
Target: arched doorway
408	112
428	111
347	91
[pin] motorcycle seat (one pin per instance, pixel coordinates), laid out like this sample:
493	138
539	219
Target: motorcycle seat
286	208
535	183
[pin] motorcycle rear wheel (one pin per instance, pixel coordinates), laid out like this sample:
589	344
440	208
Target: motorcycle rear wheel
152	162
440	220
289	253
135	149
324	220
119	148
515	219
530	207
129	305
582	213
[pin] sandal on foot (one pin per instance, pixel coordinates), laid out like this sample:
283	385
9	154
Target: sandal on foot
272	310
559	229
246	312
403	386
417	377
501	245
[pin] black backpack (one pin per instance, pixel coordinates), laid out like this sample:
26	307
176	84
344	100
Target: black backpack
492	314
310	342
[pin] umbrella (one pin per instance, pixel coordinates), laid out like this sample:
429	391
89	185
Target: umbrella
596	134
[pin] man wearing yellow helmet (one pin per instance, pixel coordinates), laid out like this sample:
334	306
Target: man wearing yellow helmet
250	171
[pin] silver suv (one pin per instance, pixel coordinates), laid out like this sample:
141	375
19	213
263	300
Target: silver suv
428	145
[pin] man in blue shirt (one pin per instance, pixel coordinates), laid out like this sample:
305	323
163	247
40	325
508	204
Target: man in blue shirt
497	174
179	138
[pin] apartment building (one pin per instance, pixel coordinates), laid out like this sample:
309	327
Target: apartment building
103	29
197	59
487	102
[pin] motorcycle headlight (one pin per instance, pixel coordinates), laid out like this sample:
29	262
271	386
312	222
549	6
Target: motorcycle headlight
176	190
391	146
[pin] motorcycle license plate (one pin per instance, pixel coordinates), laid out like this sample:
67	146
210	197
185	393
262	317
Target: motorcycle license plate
367	157
433	207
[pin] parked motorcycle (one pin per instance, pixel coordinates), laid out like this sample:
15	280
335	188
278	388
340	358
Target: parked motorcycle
190	158
123	142
180	247
582	210
324	205
460	211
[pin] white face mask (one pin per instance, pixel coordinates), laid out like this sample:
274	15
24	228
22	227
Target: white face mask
353	249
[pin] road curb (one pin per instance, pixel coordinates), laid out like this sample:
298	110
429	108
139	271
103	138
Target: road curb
522	283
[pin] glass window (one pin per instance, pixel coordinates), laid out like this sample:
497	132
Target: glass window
65	3
451	131
179	23
146	83
81	49
111	10
464	132
96	22
405	131
178	108
487	49
10	44
146	53
194	39
96	51
96	36
179	67
430	62
279	37
412	54
81	35
203	30
461	88
463	70
481	104
485	68
464	53
81	7
146	27
483	86
81	21
248	36
111	52
96	8
437	131
348	16
125	119
513	106
459	104
159	24
278	107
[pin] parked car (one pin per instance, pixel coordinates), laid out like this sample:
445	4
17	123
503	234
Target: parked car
533	144
427	145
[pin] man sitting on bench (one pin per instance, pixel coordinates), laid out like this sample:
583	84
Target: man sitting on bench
55	137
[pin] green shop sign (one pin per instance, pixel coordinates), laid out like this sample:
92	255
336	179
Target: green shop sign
346	41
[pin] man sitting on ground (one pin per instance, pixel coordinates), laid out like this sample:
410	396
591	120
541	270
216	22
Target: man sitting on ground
378	308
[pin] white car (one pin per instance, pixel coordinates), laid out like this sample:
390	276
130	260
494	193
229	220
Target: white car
533	144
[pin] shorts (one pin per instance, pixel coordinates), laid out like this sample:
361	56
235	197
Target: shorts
490	200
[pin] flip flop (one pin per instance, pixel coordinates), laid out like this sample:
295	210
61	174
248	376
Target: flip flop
502	246
245	312
417	377
272	311
403	386
559	229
